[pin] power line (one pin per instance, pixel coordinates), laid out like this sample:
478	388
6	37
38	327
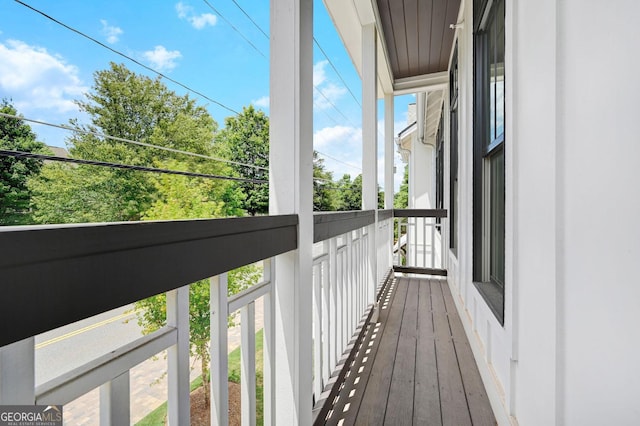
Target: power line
115	138
252	21
336	71
117	52
20	154
235	29
339	161
314	39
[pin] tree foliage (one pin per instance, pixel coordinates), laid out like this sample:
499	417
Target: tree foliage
15	195
245	140
126	105
401	199
325	197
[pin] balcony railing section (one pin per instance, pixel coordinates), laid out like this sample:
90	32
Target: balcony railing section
419	245
57	275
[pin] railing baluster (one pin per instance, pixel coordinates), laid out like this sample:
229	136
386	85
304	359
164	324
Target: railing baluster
333	305
326	331
317	331
17	373
248	362
218	350
114	401
268	351
178	407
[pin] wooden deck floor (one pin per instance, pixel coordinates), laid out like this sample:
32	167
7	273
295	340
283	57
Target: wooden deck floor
414	365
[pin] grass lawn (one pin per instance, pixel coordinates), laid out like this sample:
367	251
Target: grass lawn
159	415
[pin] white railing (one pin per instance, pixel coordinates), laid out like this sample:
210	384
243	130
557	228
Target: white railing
342	297
419	241
221	308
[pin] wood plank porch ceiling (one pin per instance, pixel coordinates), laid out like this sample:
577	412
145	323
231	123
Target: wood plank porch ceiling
415	365
417	35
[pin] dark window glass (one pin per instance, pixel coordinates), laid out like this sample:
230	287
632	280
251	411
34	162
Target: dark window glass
453	160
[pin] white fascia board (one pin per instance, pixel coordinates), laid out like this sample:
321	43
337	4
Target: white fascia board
421	83
348	17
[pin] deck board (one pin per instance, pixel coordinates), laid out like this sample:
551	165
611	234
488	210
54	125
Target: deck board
400	402
415	366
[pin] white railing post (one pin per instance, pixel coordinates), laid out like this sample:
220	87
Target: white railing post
219	360
268	350
178	368
344	309
17	373
114	401
248	361
326	321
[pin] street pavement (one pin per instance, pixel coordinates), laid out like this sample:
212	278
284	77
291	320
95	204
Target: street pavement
68	347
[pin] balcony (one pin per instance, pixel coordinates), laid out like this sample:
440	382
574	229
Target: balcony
389	338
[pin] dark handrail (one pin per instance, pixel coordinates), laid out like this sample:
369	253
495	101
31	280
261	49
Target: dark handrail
419	213
55	275
331	224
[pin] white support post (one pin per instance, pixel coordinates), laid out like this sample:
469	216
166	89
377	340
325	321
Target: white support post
219	360
268	351
388	150
17	373
178	368
370	149
248	361
114	401
291	192
350	286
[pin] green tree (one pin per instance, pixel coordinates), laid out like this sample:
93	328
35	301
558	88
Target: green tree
245	140
181	197
324	191
401	198
122	104
350	193
15	195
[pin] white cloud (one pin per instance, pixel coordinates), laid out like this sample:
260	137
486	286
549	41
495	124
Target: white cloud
262	102
38	80
197	21
337	135
327	93
161	58
111	32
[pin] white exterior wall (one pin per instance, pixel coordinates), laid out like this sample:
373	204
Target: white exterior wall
598	212
568	351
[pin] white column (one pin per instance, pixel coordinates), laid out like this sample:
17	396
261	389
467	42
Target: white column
290	192
17	373
178	358
370	147
114	401
388	150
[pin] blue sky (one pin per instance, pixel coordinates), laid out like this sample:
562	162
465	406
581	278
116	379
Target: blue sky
44	66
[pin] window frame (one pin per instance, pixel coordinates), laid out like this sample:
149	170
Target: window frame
488	207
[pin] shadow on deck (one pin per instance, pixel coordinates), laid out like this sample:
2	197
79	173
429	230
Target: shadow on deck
415	365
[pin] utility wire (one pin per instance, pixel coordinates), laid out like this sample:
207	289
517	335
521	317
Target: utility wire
264	33
117	52
235	29
252	21
317	89
336	71
115	138
20	154
339	161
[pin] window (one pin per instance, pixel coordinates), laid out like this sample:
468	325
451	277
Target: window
453	152
440	167
489	156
